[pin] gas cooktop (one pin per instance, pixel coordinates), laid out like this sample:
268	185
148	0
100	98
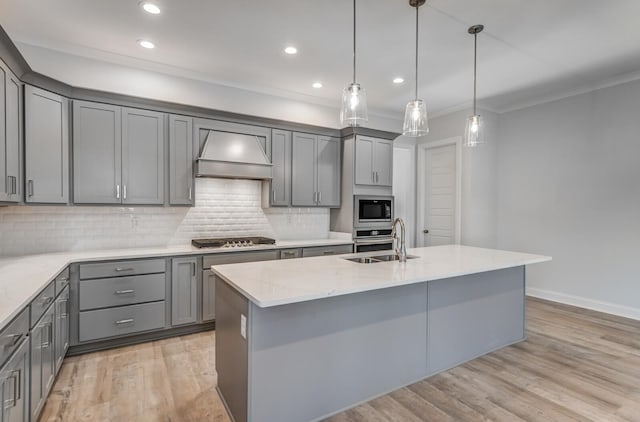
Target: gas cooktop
232	242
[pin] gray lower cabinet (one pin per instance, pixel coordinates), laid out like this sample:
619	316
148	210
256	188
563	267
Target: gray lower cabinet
10	136
118	155
42	361
184	293
281	160
208	295
46	146
373	161
14	382
181	159
122	320
61	332
327	250
315	171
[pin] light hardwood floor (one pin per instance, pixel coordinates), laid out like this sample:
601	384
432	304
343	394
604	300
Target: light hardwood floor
576	365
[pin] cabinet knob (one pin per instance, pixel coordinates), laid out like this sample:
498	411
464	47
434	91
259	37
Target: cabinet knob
425	231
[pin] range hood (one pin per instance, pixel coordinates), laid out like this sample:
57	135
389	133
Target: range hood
233	156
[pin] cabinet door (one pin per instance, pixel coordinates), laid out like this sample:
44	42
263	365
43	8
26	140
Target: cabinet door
42	361
184	295
97	153
61	334
364	161
281	160
383	162
181	160
303	170
142	157
328	172
208	295
14	379
13	126
5	185
46	146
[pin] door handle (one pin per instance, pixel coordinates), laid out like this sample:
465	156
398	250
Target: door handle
65	314
273	195
117	191
30	187
18	376
194	269
124	191
373	176
189	193
425	231
46	344
15	184
319	197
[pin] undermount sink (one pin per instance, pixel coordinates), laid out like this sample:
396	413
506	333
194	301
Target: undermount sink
377	258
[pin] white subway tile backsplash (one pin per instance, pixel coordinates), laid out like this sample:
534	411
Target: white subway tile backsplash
223	208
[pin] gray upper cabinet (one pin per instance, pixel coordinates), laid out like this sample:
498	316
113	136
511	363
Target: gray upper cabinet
328	154
97	153
46	146
184	294
181	159
373	161
142	157
118	155
315	171
281	160
10	135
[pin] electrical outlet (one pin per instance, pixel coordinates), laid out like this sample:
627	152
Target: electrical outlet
243	326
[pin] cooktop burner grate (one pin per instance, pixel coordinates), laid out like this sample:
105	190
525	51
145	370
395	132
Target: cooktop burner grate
232	242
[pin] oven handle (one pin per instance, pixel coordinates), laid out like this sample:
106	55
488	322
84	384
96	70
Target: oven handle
373	241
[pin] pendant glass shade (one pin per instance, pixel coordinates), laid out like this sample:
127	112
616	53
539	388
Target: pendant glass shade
415	119
354	105
473	132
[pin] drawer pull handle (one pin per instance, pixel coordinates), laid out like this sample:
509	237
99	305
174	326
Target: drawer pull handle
328	253
14	339
120	269
46	300
124	321
63	279
289	253
124	292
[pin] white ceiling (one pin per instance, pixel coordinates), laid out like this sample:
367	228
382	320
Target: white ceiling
530	50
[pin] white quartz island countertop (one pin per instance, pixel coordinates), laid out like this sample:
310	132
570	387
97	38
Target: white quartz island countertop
23	277
273	283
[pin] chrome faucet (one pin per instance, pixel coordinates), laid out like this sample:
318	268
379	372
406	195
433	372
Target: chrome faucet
401	249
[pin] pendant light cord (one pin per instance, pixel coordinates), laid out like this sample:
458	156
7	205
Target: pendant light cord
354	42
475	70
416	88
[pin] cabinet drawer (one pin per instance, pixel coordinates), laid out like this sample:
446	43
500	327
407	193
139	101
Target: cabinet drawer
234	258
62	280
290	253
11	335
121	321
41	303
118	291
121	268
327	250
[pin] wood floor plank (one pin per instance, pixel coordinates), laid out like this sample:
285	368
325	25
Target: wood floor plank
576	365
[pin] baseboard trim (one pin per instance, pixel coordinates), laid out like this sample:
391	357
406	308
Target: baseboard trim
583	302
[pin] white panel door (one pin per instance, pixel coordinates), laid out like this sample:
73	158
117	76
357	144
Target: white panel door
439	196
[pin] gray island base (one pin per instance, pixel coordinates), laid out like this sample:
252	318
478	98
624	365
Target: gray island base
307	360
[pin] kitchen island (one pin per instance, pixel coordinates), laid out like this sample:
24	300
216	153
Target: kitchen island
303	339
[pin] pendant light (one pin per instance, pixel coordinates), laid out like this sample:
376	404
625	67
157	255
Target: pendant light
415	116
353	111
473	132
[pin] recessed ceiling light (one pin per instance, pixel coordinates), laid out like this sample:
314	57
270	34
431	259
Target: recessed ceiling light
290	50
146	44
317	85
398	80
150	7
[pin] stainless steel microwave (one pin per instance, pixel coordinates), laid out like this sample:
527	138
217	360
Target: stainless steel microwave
372	211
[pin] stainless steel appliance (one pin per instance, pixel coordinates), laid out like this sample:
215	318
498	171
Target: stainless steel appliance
370	239
372	212
232	242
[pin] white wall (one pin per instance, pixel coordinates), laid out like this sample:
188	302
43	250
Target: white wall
569	187
156	84
404	185
223	208
478	208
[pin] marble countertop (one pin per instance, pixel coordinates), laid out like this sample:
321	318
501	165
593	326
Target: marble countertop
273	283
22	278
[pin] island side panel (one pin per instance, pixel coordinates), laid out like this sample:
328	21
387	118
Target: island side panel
231	349
309	360
472	315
